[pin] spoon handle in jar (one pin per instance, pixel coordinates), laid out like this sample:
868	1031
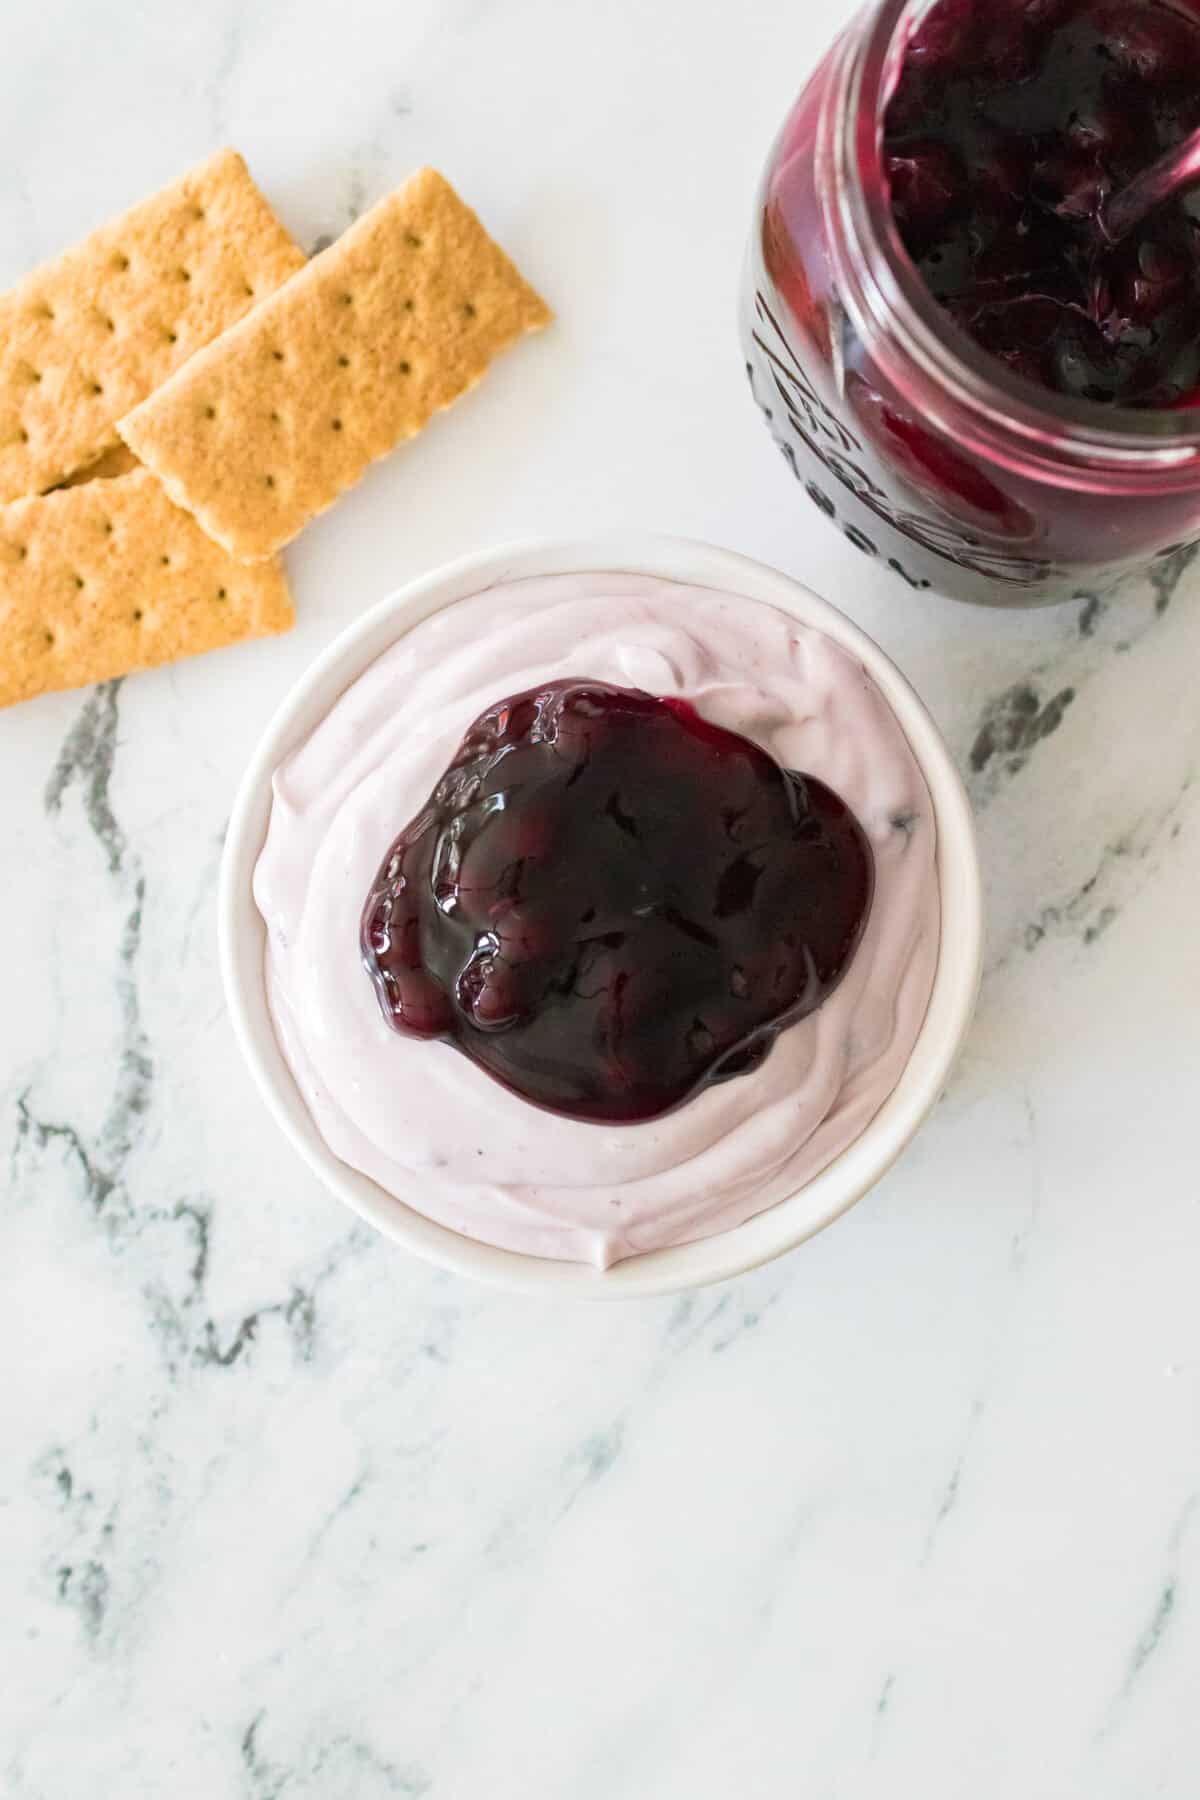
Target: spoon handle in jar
1173	173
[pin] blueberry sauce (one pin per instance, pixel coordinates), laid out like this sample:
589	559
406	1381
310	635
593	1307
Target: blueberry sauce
609	903
1013	125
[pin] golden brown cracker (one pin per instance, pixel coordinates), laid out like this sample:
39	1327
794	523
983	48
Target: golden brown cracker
107	577
86	337
399	317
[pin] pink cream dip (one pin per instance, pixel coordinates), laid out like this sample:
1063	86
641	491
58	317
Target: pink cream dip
425	1122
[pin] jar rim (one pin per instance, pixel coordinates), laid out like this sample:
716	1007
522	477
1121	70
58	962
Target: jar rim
894	290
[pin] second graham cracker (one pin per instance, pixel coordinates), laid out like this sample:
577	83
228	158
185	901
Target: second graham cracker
84	338
354	354
102	578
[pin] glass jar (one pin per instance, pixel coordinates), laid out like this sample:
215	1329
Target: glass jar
926	452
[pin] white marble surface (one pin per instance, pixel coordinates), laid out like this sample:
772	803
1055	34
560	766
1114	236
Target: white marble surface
915	1511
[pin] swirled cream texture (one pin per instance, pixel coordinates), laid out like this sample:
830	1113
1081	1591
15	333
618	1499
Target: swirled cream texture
424	1121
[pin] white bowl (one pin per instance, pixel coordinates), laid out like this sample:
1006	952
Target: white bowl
780	1227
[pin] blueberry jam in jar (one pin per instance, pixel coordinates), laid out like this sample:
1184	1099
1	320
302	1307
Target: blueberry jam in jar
1006	139
609	903
979	383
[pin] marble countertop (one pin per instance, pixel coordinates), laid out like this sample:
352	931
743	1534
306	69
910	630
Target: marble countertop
284	1513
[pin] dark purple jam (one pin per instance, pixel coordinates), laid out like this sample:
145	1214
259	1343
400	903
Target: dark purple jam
1013	125
609	903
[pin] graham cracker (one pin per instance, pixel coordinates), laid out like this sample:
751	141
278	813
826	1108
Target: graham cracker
106	577
86	337
355	353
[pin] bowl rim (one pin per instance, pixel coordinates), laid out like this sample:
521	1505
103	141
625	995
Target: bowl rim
781	1227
